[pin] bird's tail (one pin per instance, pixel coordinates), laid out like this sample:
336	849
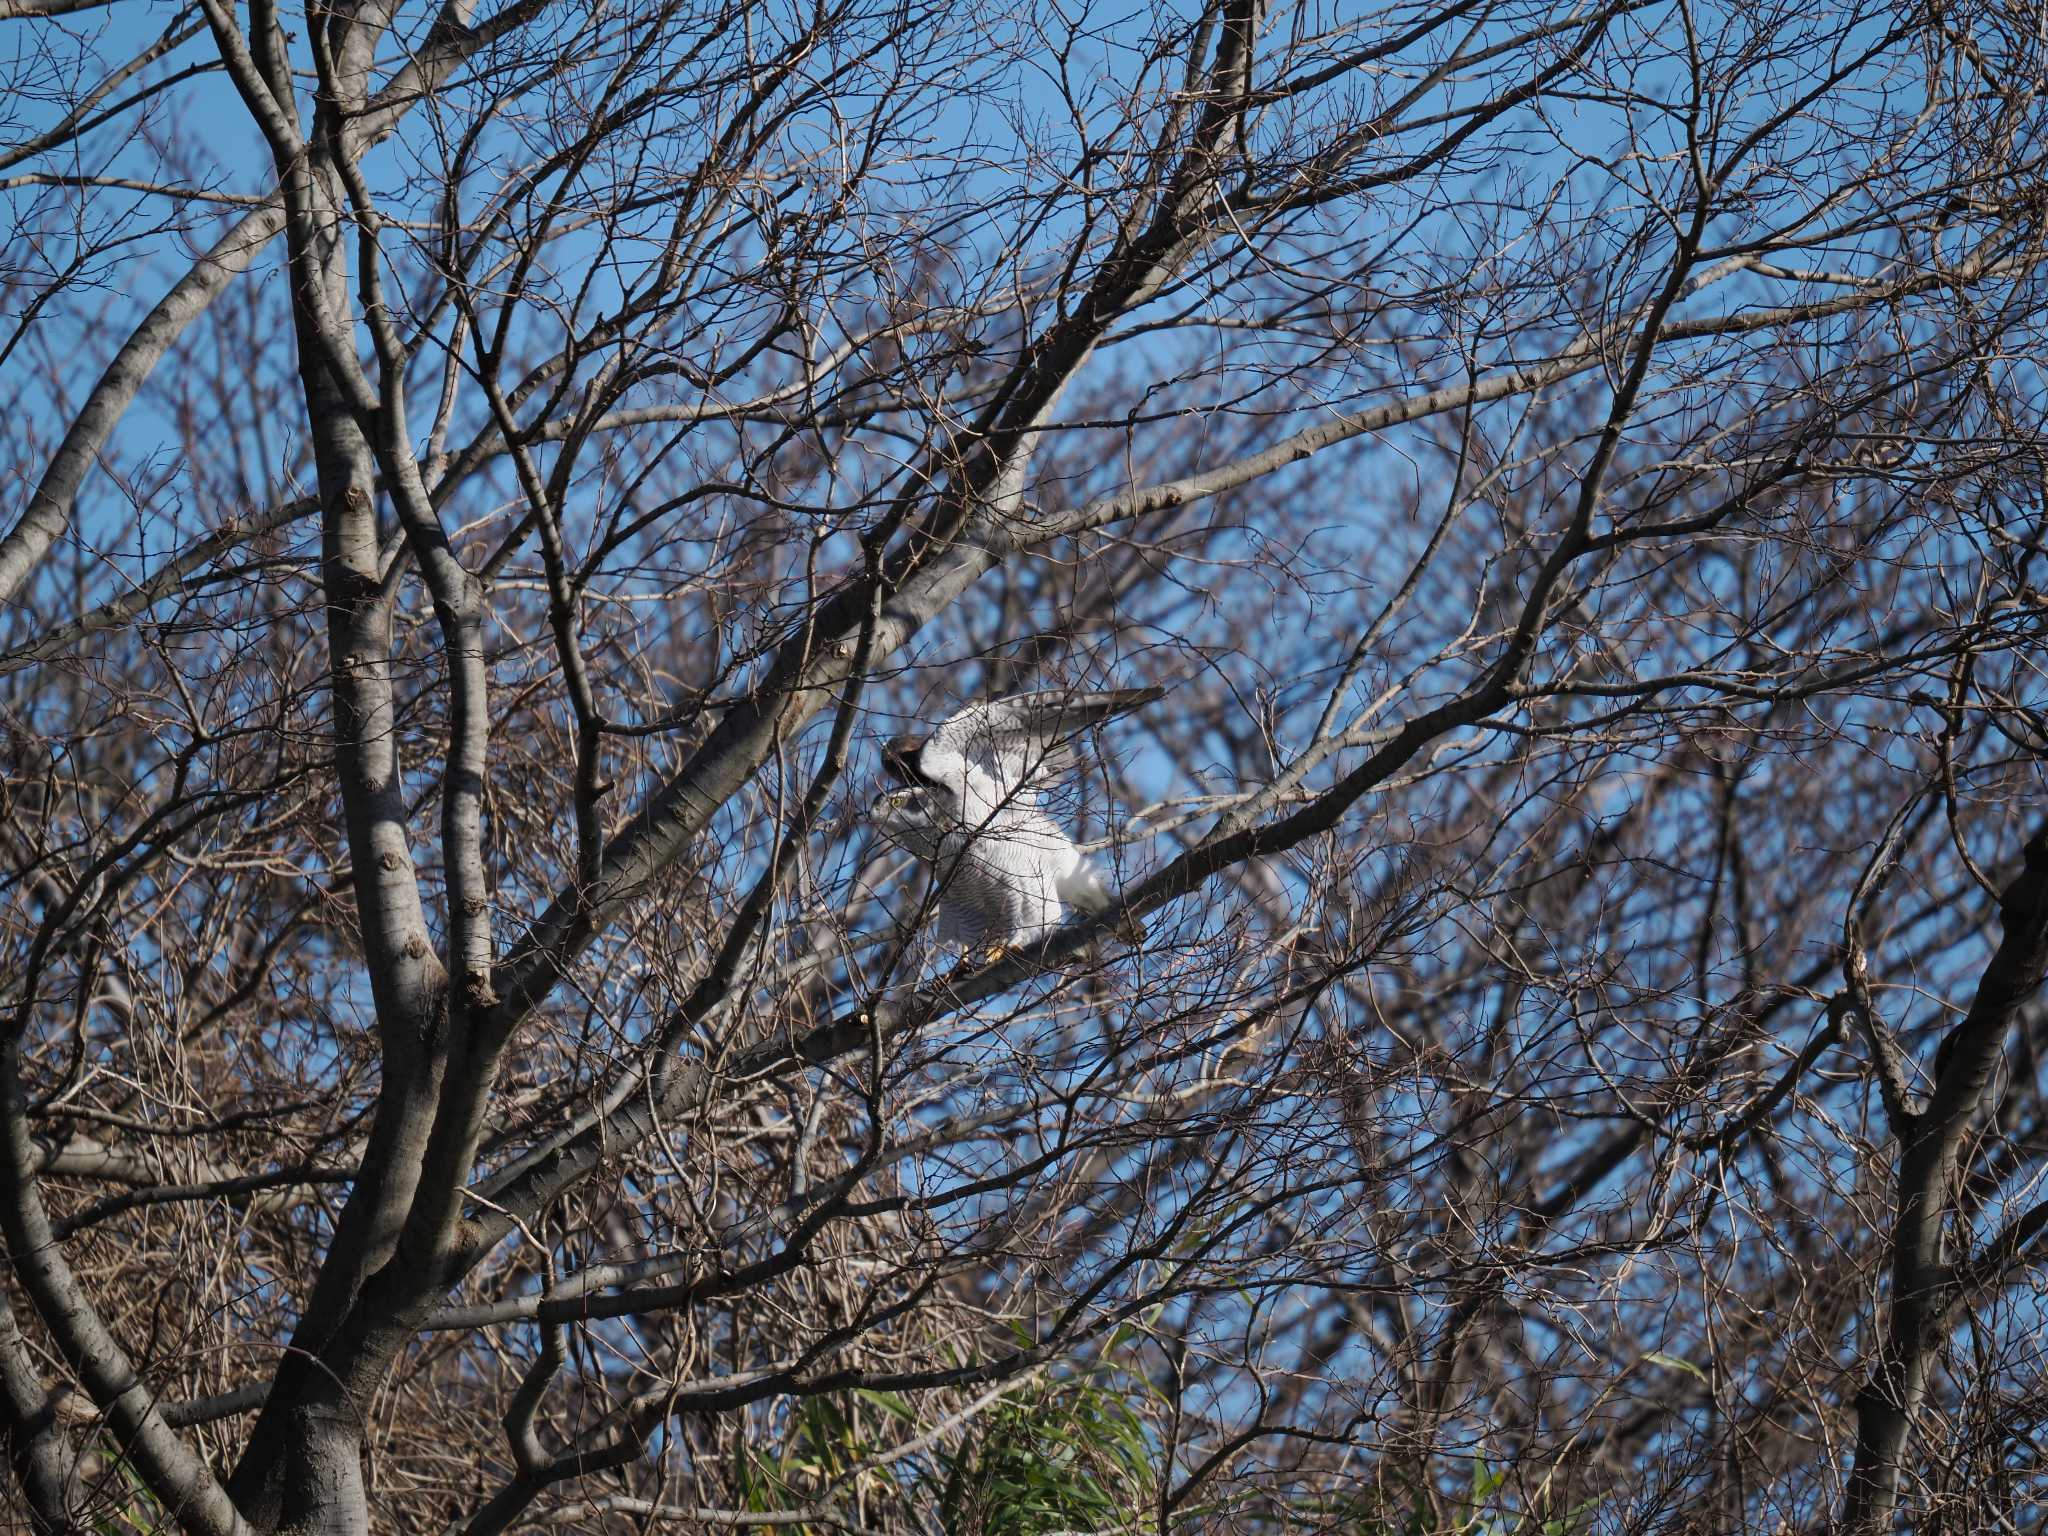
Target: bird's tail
1085	890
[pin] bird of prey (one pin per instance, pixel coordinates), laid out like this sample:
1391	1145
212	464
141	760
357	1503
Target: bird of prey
969	802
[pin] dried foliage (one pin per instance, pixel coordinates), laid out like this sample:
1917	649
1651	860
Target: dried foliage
481	482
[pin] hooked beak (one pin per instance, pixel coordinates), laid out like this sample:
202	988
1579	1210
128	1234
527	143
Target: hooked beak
897	814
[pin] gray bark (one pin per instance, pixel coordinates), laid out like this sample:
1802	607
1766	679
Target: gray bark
50	508
1923	1289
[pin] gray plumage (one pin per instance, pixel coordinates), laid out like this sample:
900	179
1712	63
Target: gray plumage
971	805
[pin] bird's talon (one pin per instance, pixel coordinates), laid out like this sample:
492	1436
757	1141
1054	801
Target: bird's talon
966	801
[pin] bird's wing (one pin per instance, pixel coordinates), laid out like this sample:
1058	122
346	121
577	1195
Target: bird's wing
1025	741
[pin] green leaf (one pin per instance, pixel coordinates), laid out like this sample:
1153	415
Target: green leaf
1673	1363
890	1403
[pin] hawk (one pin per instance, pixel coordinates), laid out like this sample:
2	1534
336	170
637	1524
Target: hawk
969	802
